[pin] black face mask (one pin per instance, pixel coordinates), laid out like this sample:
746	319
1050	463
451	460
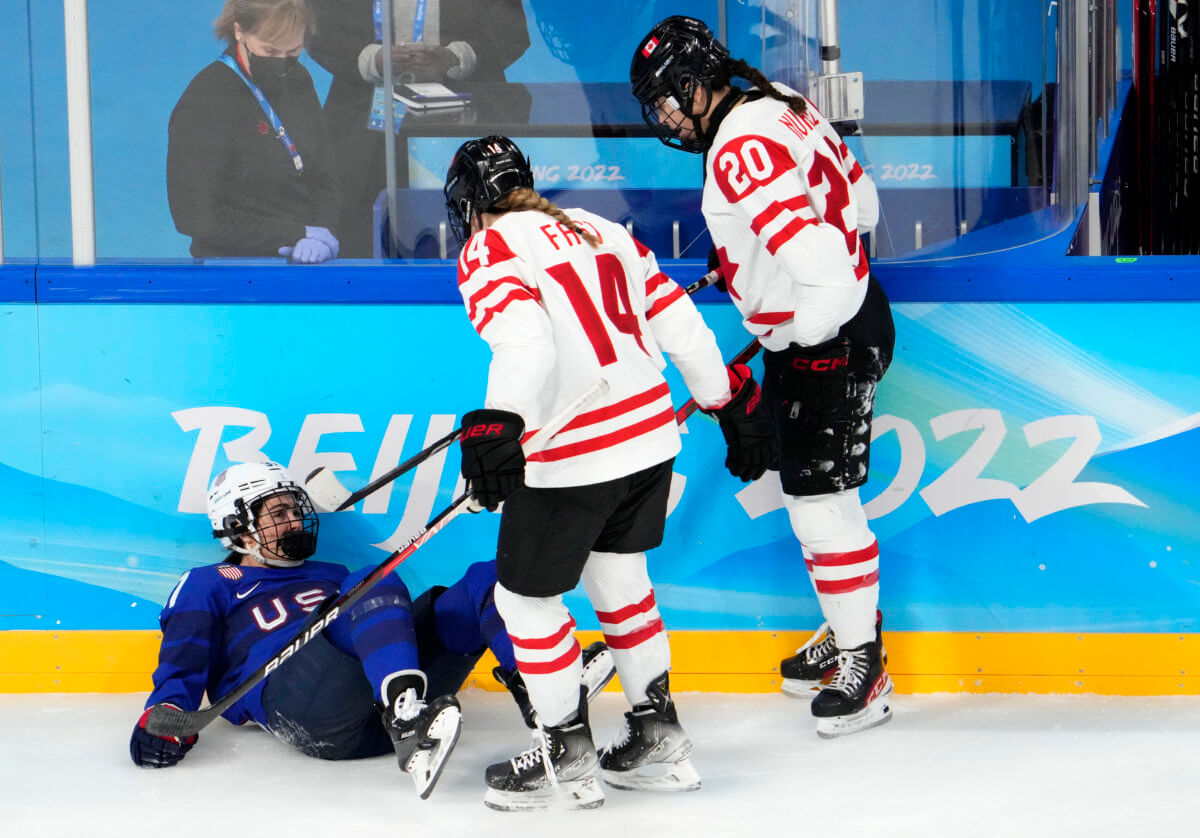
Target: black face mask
271	69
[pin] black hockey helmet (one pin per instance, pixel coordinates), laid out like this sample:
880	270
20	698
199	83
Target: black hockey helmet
680	55
481	173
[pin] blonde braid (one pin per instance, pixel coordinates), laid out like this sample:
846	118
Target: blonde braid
520	200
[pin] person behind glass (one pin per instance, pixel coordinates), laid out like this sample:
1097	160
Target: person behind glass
249	165
381	677
565	298
459	42
785	202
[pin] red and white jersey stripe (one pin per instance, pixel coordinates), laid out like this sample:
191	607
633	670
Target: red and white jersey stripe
844	573
547	655
632	625
785	199
558	315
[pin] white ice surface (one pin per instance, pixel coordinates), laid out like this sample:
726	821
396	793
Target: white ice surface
947	765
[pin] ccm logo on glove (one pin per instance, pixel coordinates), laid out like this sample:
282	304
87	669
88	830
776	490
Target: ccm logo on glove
820	364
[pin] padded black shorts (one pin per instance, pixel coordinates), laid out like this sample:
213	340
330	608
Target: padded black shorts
547	534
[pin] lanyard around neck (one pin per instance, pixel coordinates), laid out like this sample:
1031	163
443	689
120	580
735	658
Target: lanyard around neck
418	20
272	117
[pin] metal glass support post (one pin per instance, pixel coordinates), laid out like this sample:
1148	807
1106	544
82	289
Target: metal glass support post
839	95
1	209
79	133
389	128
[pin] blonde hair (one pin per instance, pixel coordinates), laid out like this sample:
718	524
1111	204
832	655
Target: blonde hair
274	21
523	199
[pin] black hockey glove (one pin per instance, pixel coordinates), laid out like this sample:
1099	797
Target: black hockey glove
493	463
747	430
150	751
714	263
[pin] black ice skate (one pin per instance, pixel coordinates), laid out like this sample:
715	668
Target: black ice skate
858	697
422	734
559	771
814	664
598	670
651	753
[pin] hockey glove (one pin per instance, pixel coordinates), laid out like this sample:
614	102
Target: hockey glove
493	463
747	430
150	751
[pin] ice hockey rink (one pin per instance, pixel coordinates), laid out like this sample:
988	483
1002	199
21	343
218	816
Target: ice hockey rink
947	765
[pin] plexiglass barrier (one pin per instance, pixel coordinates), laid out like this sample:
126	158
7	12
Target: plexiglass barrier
980	120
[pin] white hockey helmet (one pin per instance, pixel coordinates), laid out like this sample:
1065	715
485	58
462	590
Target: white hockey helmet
235	502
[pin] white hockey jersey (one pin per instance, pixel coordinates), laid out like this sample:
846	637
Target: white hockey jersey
559	315
785	200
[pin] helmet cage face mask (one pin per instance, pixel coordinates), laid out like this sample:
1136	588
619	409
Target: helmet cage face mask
481	173
677	58
281	542
278	535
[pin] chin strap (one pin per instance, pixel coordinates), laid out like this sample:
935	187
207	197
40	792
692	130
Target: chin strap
256	552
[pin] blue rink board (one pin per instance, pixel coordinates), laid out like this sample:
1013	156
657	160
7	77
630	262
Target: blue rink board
1025	475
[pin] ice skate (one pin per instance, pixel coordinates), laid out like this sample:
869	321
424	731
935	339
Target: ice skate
814	664
423	735
598	670
858	697
558	772
651	753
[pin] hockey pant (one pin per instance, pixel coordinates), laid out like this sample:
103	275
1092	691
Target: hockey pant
548	655
842	557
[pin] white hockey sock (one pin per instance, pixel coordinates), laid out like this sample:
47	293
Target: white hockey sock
842	556
619	588
547	653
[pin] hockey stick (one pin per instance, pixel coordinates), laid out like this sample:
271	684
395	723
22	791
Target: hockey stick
166	720
328	493
708	279
748	352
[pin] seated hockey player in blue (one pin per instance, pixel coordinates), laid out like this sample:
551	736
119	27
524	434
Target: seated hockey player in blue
381	677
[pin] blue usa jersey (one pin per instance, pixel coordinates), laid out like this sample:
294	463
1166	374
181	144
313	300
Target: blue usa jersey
223	621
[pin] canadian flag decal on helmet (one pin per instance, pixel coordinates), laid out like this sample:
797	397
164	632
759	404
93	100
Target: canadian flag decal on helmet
651	45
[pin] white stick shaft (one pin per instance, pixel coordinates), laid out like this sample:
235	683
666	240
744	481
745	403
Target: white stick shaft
539	440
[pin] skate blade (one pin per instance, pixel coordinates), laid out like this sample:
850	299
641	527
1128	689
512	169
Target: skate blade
598	672
874	714
426	764
566	796
655	776
796	688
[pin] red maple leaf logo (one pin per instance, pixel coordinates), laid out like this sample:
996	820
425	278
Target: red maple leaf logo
728	271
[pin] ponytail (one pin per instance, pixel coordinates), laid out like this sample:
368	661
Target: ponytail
738	67
523	199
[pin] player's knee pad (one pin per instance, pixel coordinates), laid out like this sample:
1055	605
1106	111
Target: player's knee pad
615	580
829	523
531	617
